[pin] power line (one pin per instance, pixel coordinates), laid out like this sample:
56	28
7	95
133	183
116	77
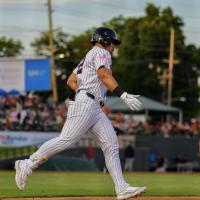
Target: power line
193	32
78	14
22	9
14	28
20	30
106	4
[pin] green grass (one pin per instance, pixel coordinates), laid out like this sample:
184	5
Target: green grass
98	184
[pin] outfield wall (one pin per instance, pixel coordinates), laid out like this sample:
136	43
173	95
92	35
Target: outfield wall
148	146
169	148
145	148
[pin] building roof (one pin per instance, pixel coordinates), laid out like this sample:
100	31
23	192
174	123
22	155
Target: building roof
116	104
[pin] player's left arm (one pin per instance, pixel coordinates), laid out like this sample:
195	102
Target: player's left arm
109	81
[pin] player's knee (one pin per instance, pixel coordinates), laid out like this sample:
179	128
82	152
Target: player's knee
65	141
42	159
111	148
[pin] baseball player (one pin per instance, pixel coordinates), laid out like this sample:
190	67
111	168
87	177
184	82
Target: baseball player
90	80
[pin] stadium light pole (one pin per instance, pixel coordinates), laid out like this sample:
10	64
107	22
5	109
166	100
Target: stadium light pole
51	48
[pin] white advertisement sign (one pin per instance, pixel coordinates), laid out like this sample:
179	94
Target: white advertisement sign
20	139
12	75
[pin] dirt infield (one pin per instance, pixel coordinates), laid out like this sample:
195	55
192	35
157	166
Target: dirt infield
103	198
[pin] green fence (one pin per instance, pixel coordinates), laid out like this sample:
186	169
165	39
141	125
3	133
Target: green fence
11	152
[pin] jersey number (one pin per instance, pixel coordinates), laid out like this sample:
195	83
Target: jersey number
80	66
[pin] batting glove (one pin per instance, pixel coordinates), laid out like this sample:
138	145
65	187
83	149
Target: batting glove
132	101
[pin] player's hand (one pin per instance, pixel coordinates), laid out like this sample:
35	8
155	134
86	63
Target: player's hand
132	101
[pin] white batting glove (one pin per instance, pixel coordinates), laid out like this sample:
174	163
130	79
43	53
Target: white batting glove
132	101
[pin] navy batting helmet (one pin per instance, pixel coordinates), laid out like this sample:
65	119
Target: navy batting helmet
105	36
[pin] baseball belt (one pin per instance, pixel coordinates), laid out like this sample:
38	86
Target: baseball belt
101	103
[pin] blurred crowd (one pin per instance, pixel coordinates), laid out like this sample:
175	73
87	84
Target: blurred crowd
127	124
31	113
35	113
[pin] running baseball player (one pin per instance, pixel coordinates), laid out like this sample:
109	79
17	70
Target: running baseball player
90	80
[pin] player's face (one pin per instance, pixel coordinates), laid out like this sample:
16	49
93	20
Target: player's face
111	48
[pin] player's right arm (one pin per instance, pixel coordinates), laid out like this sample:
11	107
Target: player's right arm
106	77
109	81
72	82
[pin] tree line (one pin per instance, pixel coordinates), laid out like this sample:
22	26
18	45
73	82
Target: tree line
139	64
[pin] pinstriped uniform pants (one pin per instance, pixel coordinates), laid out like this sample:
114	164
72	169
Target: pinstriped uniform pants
85	115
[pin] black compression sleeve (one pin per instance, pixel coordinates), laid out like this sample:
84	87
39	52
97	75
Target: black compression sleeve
118	91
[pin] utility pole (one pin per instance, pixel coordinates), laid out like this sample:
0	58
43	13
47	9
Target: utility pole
51	48
171	66
171	63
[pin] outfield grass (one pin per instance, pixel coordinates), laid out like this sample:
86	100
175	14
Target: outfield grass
98	184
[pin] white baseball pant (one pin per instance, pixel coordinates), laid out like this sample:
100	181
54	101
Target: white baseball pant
84	115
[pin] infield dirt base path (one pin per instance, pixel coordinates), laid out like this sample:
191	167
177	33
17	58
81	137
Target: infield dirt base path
103	198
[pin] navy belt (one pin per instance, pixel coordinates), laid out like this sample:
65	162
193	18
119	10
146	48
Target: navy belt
101	103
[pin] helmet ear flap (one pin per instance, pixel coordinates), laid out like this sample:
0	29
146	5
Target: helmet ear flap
99	38
96	38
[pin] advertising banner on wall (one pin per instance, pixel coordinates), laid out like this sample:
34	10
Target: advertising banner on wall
25	75
20	139
12	75
37	75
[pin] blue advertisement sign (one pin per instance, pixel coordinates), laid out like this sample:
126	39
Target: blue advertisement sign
37	75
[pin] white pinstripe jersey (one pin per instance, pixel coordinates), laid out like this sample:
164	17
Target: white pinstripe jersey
87	76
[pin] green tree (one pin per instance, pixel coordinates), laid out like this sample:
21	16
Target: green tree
145	42
118	24
80	45
185	80
139	62
63	56
10	47
41	44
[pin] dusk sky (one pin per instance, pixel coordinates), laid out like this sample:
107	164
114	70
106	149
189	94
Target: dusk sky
26	19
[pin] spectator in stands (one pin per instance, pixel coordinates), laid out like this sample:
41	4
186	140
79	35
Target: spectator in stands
90	153
183	163
161	163
129	155
157	162
166	129
194	128
148	128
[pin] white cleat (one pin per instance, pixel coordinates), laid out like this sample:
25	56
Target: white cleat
22	171
130	192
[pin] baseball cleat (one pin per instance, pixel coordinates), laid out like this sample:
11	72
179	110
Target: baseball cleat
130	192
22	171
